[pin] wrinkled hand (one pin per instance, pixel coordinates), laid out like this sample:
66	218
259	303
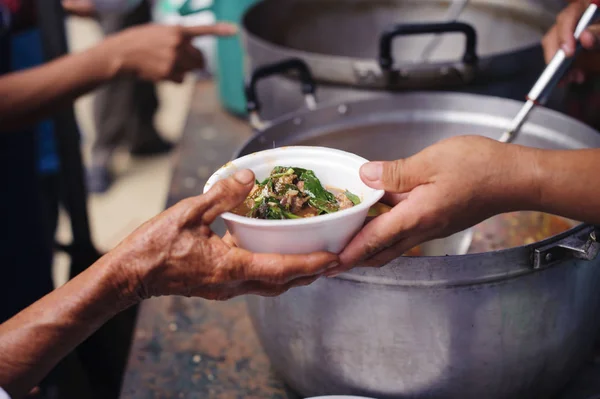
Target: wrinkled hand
440	191
560	36
159	52
176	253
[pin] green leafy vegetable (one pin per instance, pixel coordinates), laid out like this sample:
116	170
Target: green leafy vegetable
292	193
352	197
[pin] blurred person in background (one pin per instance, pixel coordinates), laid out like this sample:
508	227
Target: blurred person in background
124	109
150	52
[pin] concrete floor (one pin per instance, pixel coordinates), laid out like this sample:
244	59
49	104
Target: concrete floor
141	186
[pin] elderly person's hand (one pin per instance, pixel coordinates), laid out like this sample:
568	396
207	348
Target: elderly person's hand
560	36
462	181
176	253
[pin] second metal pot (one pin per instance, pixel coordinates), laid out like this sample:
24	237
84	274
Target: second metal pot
359	49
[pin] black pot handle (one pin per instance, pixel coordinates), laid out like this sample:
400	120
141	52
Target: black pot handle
386	61
307	82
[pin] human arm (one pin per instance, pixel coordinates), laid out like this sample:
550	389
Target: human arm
462	181
175	253
151	52
560	36
80	8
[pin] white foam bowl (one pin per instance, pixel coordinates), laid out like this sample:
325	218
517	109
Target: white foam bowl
335	169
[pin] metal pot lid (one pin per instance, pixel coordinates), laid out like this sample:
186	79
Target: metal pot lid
341	40
398	126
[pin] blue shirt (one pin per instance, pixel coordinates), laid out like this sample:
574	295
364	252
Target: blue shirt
26	52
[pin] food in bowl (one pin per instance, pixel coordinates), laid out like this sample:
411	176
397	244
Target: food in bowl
329	232
293	193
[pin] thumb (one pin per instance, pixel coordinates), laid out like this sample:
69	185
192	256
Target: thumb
225	195
220	29
398	176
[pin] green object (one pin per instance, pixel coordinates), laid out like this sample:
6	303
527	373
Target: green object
352	197
274	197
230	54
230	57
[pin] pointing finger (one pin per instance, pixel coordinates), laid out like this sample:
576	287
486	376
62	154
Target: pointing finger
220	29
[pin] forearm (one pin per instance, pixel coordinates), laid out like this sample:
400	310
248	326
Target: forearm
569	184
564	183
35	93
32	342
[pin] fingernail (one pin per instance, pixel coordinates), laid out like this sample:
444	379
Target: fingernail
244	176
372	171
332	265
333	273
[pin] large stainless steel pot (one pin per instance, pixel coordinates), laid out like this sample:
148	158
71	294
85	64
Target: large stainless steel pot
512	324
359	49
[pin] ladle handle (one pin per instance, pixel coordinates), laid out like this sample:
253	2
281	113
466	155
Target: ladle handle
386	60
560	63
296	65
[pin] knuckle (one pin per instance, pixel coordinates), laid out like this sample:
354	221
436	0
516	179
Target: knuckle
221	190
279	278
374	246
393	173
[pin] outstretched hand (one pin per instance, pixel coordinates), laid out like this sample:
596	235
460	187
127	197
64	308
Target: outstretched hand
176	253
442	190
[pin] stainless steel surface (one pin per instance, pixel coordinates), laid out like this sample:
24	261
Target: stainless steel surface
339	39
457	244
484	325
510	135
258	124
581	246
549	78
454	10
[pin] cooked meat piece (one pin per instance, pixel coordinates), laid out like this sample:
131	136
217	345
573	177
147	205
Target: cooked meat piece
288	179
298	203
344	202
254	190
282	183
249	202
288	197
300	185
